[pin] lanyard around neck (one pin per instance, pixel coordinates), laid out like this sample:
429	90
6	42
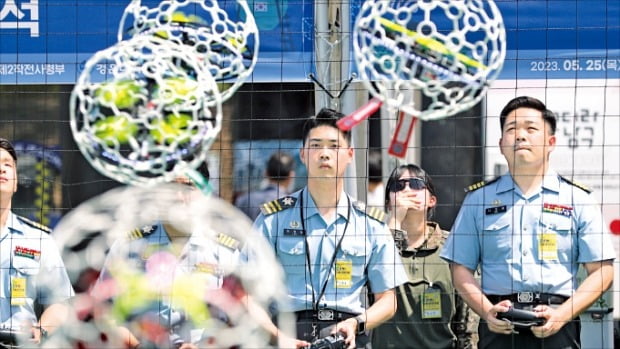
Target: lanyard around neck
315	301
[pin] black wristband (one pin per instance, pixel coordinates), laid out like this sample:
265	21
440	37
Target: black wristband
361	324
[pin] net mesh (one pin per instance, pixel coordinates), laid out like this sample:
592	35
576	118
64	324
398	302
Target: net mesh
563	52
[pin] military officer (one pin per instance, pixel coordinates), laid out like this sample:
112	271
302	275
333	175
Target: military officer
528	231
162	256
33	273
329	246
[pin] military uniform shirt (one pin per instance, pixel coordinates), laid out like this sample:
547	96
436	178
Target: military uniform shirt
501	229
32	270
205	259
200	254
367	247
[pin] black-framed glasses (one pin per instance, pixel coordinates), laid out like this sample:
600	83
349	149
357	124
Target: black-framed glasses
414	183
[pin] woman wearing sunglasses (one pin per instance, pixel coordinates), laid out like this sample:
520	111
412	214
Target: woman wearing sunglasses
429	313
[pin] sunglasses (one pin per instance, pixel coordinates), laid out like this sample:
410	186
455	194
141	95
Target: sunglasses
414	183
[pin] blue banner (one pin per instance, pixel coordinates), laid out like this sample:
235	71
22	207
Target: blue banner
48	41
555	39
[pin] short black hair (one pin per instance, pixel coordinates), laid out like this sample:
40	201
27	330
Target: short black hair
6	145
280	165
532	103
375	172
416	171
325	117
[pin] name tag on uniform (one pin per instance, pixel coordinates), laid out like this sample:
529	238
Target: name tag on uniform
431	303
344	273
548	246
294	232
208	268
18	291
496	209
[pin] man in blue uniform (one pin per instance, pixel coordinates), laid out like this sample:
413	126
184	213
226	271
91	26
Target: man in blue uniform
32	274
528	231
180	256
329	246
177	255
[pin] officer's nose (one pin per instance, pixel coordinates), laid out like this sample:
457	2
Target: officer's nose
520	136
324	153
520	139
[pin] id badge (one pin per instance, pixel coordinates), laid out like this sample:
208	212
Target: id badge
344	273
431	303
548	246
18	291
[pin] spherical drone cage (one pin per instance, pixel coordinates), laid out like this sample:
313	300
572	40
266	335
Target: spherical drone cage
143	111
225	39
450	51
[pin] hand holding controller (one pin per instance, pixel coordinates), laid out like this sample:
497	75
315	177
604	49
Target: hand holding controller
521	318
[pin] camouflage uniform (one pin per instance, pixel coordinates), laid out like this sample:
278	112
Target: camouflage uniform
446	321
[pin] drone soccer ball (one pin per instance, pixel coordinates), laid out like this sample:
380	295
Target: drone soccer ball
449	51
144	111
168	265
222	35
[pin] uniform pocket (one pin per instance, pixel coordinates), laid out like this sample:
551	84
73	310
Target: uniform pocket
561	226
292	254
25	266
498	239
355	251
24	277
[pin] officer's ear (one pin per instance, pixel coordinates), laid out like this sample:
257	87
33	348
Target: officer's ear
302	155
551	141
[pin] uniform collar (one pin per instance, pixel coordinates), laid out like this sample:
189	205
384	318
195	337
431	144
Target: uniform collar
199	240
160	236
435	238
310	207
551	181
8	227
505	183
14	225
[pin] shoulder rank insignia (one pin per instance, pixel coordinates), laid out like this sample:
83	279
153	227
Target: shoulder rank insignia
139	233
278	205
34	224
227	241
372	212
480	184
576	184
